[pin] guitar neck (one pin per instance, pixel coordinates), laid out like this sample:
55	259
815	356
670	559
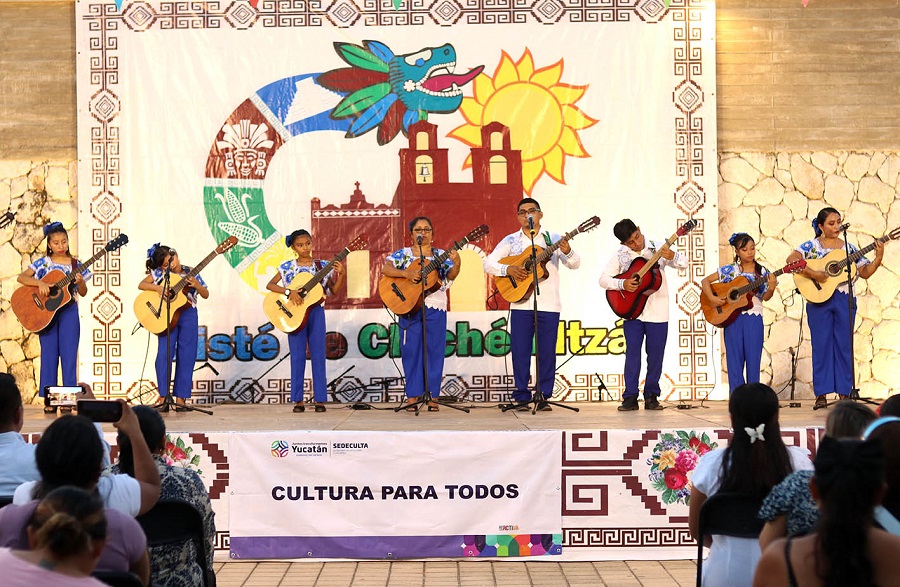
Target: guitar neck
439	259
194	272
324	271
651	263
756	283
546	253
854	257
68	279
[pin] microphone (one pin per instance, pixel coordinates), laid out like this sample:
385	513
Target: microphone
844	227
419	240
531	223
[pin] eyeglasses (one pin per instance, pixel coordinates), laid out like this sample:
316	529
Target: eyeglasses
527	212
423	229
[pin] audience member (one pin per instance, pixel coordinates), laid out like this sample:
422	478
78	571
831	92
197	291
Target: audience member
66	535
70	454
789	509
174	565
16	455
130	495
887	431
845	549
755	460
890	406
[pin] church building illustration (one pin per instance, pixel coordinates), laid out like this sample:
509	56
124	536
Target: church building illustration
425	189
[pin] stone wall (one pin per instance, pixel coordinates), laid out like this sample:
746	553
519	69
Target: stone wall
774	197
37	192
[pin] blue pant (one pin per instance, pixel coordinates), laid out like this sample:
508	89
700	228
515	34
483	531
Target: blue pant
743	347
184	341
829	331
521	333
411	351
59	345
313	334
655	333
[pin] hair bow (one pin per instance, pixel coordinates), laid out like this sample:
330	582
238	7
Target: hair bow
152	250
815	226
51	227
756	433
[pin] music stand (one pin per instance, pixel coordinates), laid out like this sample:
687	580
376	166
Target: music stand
537	397
426	396
851	307
169	403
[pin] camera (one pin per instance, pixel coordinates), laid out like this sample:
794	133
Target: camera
62	395
100	410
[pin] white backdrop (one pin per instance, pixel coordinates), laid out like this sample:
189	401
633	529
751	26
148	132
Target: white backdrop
632	87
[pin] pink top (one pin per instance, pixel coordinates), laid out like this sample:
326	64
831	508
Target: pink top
20	573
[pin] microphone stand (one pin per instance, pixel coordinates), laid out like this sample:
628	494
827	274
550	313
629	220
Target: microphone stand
851	307
537	397
426	397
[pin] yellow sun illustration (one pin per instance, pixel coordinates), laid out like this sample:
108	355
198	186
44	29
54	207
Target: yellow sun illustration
539	111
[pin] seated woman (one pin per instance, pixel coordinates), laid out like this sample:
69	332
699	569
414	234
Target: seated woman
755	460
789	509
174	565
66	535
70	453
846	548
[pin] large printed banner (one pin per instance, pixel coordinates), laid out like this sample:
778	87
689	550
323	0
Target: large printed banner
201	122
325	494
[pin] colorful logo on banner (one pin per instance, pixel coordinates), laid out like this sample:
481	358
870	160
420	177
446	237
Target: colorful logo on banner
280	449
388	93
674	457
512	545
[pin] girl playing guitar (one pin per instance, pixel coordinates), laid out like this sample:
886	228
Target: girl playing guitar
744	336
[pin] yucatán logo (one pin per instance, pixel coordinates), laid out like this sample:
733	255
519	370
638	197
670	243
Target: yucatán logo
309	449
280	449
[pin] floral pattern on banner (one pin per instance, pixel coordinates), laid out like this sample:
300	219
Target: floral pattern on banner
673	458
180	454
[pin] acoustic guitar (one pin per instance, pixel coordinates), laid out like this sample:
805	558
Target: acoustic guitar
739	292
835	265
150	308
288	316
35	311
402	297
630	304
513	290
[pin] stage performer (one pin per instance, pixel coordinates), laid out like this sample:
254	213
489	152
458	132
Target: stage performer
829	321
653	323
184	335
521	322
744	336
313	333
59	341
401	263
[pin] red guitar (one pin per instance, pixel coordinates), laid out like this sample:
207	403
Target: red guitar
739	292
630	304
35	311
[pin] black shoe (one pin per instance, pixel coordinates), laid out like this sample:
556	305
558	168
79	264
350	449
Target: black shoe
821	402
320	407
629	404
652	403
543	406
299	408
